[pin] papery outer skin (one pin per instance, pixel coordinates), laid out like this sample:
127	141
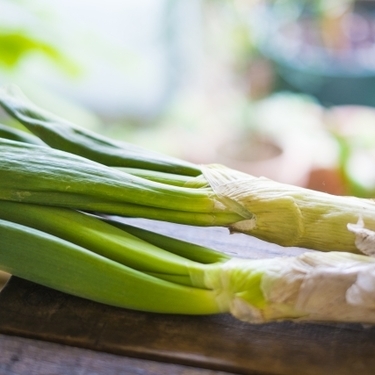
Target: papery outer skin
290	215
332	287
364	238
362	292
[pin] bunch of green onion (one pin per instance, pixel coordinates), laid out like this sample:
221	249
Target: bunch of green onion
57	181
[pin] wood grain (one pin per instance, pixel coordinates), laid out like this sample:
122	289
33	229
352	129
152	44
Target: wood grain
20	356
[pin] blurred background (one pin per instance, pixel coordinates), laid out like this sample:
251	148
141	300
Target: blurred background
282	88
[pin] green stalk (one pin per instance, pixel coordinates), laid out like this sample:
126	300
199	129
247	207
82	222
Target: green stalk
98	236
14	134
50	261
166	178
77	175
184	249
42	175
63	135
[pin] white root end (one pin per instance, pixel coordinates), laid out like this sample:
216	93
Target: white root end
331	287
364	238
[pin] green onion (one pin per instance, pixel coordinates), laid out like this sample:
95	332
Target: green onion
48	260
80	170
61	134
14	134
85	256
43	175
315	286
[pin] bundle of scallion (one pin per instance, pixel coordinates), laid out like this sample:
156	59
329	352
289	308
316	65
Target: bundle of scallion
83	170
129	267
56	184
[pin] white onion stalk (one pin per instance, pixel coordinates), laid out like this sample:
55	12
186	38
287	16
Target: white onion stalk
291	215
331	287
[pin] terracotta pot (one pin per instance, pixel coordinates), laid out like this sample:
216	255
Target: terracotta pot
261	156
326	180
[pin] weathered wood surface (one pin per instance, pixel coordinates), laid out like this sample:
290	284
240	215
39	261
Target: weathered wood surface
206	342
21	356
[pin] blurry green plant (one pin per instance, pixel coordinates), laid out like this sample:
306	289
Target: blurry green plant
20	39
16	45
354	131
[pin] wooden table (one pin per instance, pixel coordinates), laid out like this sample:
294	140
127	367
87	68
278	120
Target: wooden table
47	332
